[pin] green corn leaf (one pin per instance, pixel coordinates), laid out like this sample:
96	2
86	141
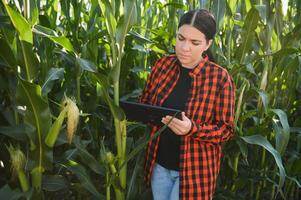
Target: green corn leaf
261	141
86	65
83	177
218	11
242	147
282	133
295	130
262	10
143	144
280	138
204	4
124	24
52	75
133	186
283	119
172	14
265	99
30	59
25	34
248	34
175	5
103	153
294	179
16	132
52	35
107	12
34	12
20	23
140	38
37	113
87	158
102	80
64	42
5	23
7	193
37	116
126	21
232	5
6	53
248	5
239	103
292	37
44	31
54	183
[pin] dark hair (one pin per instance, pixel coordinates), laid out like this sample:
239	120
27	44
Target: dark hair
202	20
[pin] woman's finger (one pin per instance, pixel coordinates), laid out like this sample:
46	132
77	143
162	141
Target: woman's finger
181	127
176	127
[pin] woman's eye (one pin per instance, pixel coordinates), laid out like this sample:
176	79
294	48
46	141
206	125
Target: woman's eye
196	43
180	38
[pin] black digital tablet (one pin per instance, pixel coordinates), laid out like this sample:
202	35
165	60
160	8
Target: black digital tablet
146	113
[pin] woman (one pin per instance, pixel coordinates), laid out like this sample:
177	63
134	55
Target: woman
184	161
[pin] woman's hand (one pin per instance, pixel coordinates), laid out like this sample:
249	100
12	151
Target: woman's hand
179	127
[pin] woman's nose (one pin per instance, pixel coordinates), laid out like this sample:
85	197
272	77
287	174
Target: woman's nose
185	46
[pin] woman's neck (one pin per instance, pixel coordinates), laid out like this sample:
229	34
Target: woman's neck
194	65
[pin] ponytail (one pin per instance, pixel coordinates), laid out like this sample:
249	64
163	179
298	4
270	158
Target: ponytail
210	55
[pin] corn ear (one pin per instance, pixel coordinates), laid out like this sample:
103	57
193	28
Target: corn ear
17	158
55	128
18	164
110	159
23	181
37	177
73	117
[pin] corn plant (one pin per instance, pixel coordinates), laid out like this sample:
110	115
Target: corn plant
32	119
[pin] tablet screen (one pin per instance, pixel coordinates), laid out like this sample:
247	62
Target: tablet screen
146	113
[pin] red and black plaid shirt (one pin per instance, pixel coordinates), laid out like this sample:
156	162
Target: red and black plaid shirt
210	106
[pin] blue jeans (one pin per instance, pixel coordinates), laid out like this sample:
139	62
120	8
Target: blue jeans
165	183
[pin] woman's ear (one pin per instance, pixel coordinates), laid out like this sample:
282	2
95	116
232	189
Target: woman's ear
208	44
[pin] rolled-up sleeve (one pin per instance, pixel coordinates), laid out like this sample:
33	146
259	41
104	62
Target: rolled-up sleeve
221	129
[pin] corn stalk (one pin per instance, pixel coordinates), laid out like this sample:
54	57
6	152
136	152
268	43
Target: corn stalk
117	38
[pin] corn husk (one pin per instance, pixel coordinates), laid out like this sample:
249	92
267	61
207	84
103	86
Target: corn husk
72	119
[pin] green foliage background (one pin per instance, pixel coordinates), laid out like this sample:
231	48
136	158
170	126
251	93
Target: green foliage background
101	51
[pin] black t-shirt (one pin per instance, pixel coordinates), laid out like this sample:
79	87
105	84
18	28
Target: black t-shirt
168	154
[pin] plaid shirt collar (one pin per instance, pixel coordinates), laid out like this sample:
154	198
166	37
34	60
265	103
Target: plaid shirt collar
196	71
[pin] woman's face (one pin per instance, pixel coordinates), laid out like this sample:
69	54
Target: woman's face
190	45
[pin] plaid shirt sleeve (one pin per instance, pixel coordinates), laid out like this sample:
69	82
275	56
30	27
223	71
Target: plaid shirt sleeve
222	128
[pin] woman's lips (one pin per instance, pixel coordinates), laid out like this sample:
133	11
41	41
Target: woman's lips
183	56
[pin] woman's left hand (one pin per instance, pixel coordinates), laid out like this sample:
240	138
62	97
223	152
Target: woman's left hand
179	127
